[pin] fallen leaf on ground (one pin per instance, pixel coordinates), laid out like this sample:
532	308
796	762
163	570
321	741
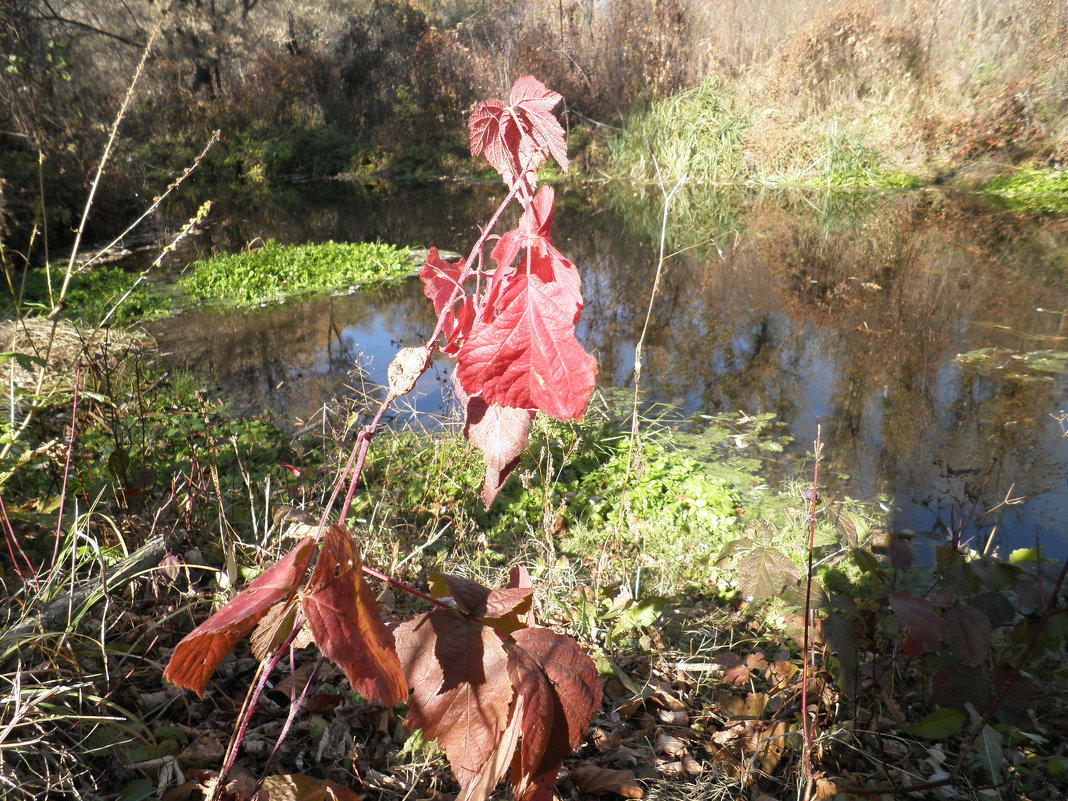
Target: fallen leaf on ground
602	781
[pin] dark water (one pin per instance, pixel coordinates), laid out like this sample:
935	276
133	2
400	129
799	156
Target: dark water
843	312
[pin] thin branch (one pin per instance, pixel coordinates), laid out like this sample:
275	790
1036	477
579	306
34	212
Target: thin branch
74	23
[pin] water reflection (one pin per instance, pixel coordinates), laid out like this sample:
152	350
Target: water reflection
847	315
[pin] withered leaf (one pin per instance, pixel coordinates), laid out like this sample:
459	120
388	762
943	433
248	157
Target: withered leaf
343	617
603	781
461	693
501	433
473	598
297	787
202	649
560	689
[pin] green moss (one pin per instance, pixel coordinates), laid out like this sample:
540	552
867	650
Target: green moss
277	271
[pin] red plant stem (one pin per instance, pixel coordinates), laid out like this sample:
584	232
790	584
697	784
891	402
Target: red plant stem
13	545
246	717
294	708
466	273
807	725
400	585
66	466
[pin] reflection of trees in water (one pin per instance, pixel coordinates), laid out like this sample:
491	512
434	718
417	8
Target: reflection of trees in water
857	327
846	311
296	355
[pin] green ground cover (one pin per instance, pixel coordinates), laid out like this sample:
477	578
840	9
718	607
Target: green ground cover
275	271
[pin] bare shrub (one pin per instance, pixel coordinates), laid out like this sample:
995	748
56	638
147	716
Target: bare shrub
850	51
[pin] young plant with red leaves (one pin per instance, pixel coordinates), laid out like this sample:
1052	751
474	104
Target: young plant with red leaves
498	694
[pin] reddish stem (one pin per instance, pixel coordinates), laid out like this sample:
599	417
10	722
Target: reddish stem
807	725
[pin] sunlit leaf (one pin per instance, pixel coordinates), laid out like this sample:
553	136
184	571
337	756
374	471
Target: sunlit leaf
561	689
343	618
201	651
939	725
461	693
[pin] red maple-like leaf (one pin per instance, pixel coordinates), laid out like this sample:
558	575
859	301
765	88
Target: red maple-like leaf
441	284
528	357
560	690
517	139
461	693
533	103
343	617
543	259
201	650
917	622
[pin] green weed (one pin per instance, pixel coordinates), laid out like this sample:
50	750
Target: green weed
1030	189
275	271
91	296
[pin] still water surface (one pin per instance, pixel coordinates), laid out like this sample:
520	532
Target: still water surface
845	312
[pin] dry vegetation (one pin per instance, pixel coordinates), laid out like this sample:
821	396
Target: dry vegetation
934	86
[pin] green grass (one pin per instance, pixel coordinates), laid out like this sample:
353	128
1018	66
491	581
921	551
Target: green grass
276	272
1031	189
91	295
697	133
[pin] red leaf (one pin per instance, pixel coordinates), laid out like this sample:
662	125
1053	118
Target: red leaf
202	649
919	623
516	139
441	284
473	598
496	765
528	357
343	617
461	694
967	631
495	134
501	434
534	103
560	690
543	260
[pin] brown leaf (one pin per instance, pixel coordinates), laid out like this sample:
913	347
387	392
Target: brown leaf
343	618
473	598
297	787
405	369
202	649
501	433
602	781
561	689
772	746
461	693
273	629
497	765
967	631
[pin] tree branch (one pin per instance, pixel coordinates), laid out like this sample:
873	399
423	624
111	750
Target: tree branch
118	37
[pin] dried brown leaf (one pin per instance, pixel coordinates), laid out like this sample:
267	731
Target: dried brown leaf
603	781
201	651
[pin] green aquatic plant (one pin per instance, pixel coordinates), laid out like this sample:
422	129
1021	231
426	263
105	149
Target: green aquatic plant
276	271
1032	189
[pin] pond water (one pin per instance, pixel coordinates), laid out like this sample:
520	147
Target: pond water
924	333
